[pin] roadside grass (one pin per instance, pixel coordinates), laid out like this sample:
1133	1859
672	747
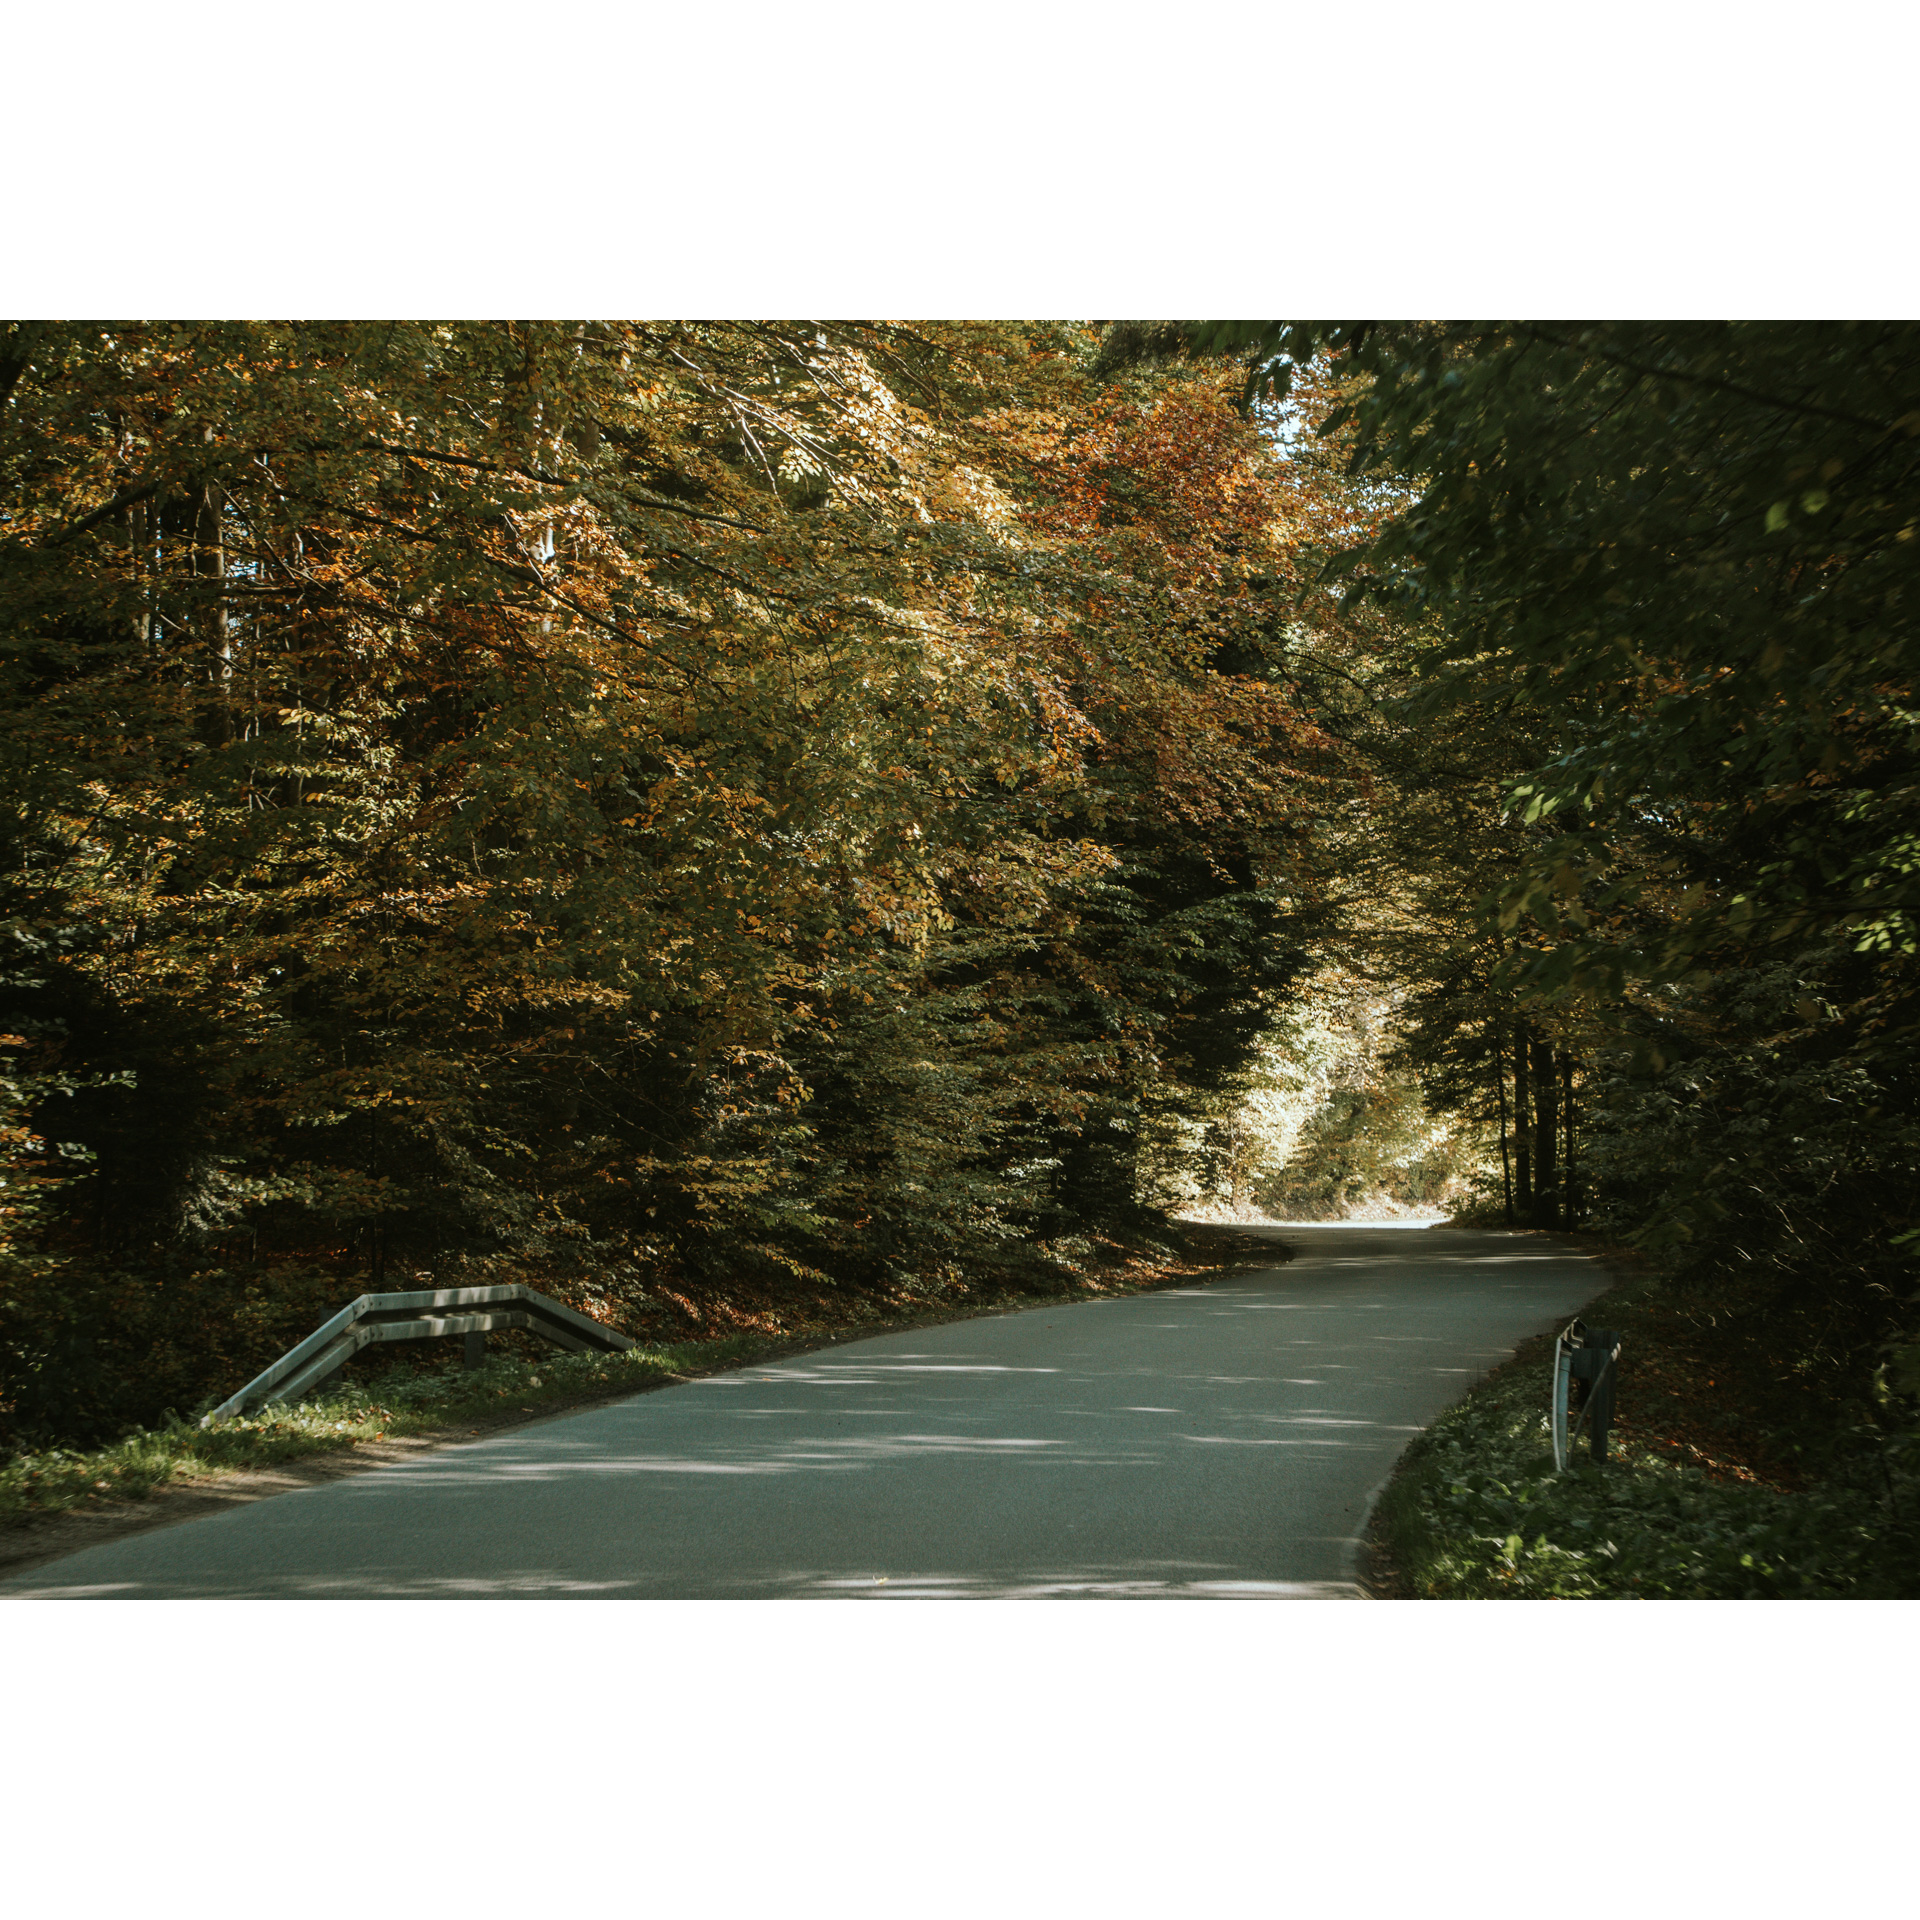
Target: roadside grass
399	1403
442	1401
1687	1506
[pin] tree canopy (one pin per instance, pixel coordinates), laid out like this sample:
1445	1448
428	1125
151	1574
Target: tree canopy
619	804
653	807
1650	734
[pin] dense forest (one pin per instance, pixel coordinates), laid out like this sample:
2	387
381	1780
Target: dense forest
658	810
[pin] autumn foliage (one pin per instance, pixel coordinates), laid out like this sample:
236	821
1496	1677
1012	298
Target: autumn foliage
637	807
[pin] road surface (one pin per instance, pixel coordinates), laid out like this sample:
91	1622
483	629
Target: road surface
1220	1440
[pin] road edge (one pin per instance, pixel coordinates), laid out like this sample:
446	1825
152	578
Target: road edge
28	1545
1376	1572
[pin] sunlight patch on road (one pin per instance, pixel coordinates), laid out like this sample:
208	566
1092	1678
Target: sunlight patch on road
1066	1586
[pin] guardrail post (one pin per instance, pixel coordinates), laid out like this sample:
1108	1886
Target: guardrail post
476	1350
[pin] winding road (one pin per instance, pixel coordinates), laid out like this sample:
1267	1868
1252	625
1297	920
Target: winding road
1222	1440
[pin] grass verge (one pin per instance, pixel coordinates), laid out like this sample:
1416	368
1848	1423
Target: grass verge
1697	1500
401	1404
452	1402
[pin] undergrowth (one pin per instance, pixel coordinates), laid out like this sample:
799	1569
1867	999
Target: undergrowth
1478	1512
399	1403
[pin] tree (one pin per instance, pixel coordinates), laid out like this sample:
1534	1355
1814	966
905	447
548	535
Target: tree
1677	558
435	760
639	807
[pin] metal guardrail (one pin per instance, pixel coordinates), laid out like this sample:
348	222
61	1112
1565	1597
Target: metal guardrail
1590	1355
377	1317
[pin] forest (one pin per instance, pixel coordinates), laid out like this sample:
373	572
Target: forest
710	817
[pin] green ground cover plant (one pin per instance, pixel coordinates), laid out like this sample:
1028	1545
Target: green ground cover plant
400	1402
1688	1505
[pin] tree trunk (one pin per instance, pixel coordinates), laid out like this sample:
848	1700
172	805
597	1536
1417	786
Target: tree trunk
1522	1127
1500	1094
210	564
1566	1112
1546	1172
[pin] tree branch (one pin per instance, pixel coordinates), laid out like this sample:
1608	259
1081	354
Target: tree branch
1708	380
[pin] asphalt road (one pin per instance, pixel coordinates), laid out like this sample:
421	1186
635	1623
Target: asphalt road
1222	1440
